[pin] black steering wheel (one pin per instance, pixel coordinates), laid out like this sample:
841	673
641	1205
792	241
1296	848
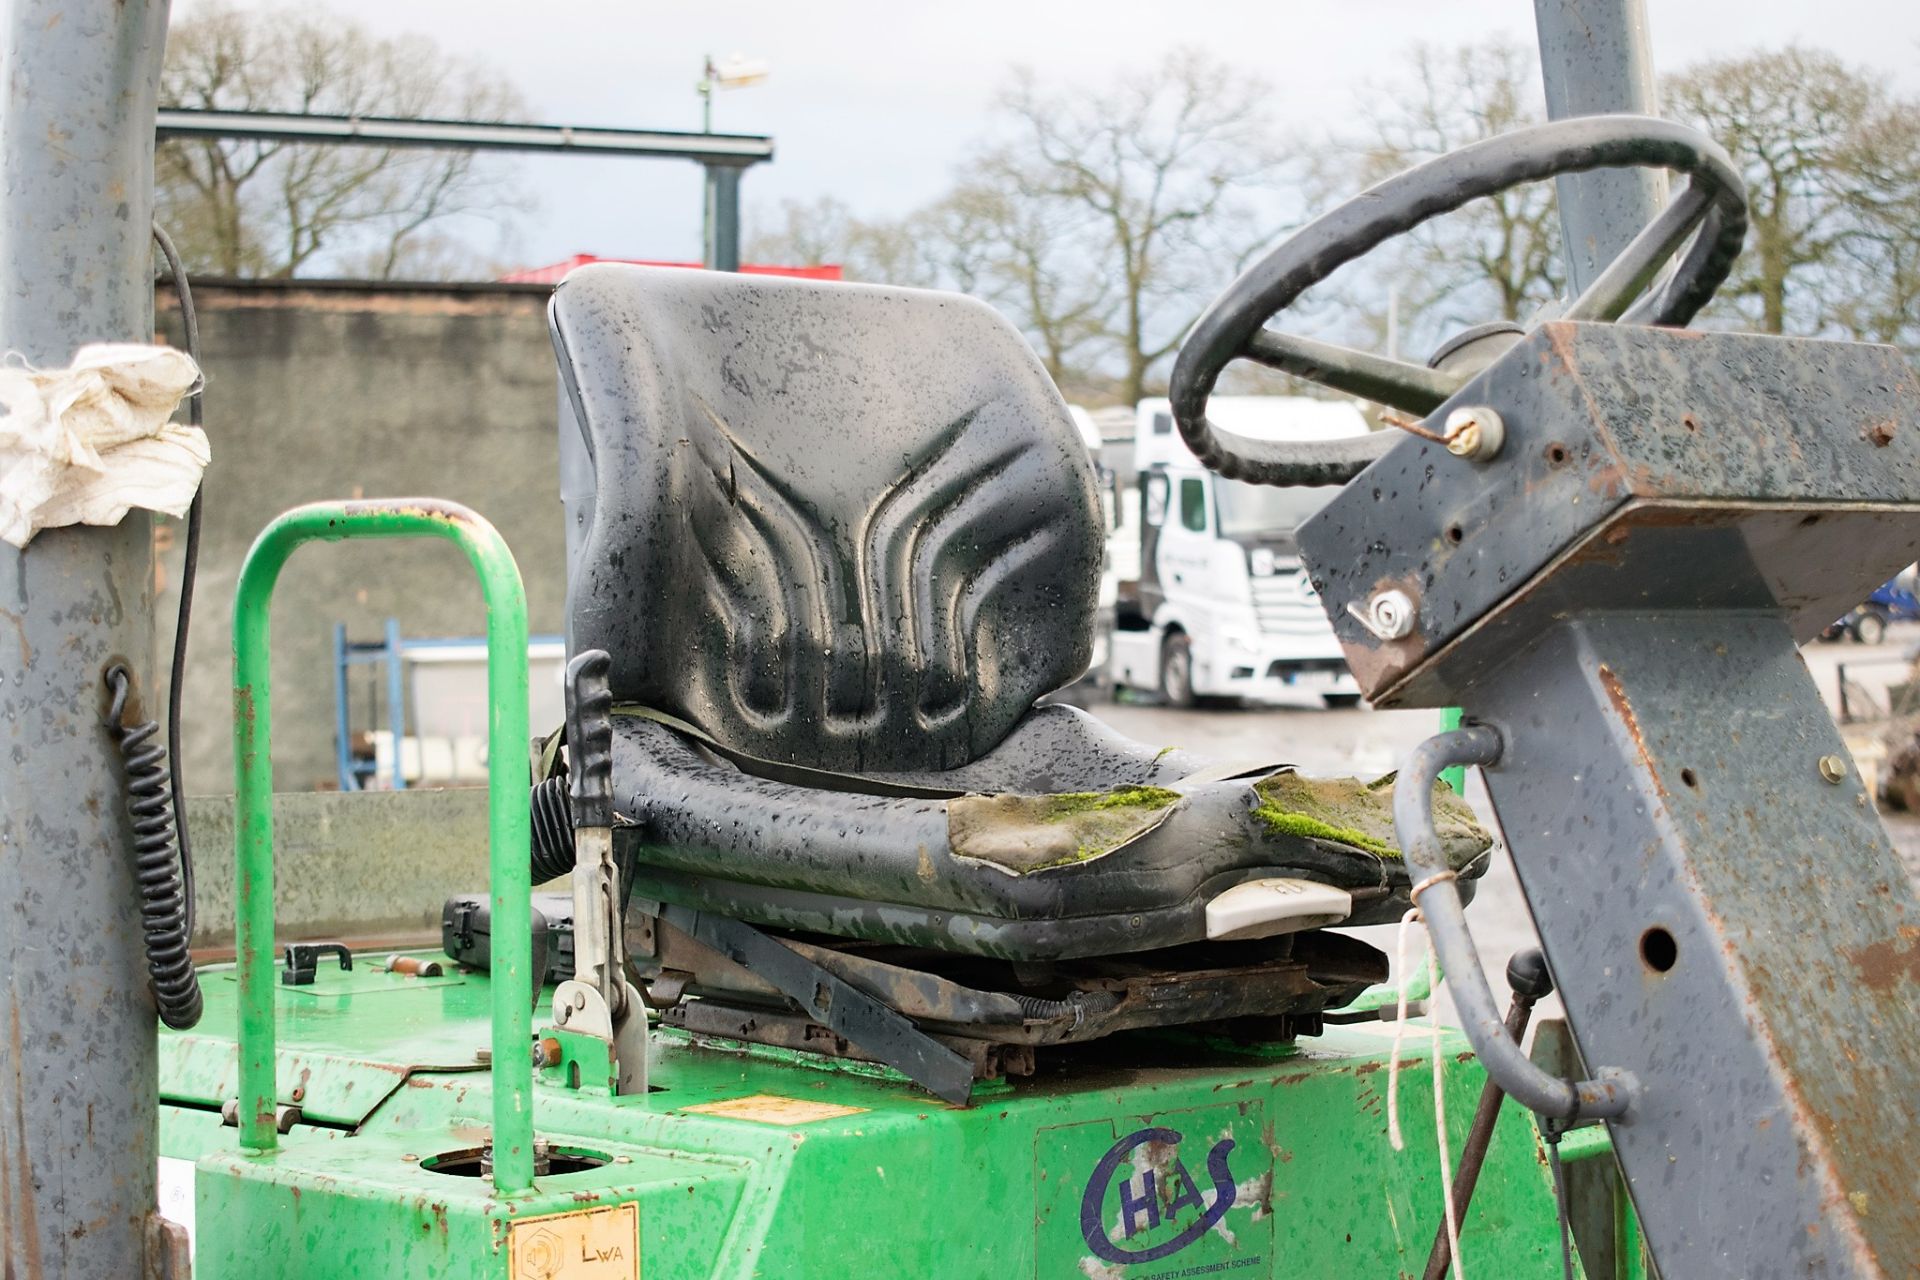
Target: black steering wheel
1233	328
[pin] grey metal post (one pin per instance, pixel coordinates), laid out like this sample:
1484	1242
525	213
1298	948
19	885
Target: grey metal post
723	217
77	1053
1596	58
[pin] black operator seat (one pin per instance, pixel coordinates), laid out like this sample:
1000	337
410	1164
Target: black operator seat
843	538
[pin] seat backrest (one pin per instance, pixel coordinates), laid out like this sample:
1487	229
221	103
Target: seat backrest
835	525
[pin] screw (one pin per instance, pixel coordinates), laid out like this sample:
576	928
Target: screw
1833	768
1475	433
1388	616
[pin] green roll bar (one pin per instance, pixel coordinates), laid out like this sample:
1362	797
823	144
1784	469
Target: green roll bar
508	770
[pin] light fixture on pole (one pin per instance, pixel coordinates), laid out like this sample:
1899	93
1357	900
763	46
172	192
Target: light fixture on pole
736	72
720	227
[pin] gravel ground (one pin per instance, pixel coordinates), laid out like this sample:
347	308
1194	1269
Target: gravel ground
1368	743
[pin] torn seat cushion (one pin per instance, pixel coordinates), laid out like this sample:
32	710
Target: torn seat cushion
1023	857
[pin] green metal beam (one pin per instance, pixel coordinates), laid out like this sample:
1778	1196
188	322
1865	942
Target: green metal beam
508	770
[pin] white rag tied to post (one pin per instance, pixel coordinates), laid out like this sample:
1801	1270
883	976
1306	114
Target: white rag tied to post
86	444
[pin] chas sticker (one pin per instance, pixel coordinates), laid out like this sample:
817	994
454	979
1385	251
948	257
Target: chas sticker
1178	1194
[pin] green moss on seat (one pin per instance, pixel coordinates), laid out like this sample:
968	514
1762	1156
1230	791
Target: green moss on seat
1022	834
1359	815
1282	823
1065	804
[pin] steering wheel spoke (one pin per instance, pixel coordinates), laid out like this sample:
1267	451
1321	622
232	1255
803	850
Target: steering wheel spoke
1626	278
1714	204
1398	384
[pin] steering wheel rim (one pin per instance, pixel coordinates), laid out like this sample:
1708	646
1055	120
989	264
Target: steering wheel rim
1234	325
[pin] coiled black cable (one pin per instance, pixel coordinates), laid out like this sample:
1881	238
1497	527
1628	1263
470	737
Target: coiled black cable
189	569
164	909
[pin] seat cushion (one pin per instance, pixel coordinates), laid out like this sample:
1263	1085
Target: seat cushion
1068	841
837	526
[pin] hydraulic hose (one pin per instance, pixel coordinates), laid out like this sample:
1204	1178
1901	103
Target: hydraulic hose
1609	1094
156	858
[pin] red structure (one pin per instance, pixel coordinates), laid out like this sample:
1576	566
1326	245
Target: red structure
557	271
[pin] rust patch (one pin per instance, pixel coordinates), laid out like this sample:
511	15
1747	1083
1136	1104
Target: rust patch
1883	965
1617	695
1879	434
20	627
22	1214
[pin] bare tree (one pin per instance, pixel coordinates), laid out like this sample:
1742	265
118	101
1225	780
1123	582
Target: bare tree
1497	258
825	230
247	208
1159	162
1027	255
1883	255
1794	122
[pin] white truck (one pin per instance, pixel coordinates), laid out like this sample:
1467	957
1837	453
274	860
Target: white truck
1219	606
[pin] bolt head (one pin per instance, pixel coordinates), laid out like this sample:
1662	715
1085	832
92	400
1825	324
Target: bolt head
1833	768
1392	614
1475	432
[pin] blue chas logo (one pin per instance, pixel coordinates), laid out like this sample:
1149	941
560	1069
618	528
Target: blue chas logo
1159	1195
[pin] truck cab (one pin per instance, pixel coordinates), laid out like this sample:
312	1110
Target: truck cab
1221	607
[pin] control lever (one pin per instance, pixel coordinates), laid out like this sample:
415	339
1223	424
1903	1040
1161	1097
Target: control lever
598	1000
1532	982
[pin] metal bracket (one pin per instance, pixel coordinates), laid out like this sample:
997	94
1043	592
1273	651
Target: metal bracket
303	961
834	1004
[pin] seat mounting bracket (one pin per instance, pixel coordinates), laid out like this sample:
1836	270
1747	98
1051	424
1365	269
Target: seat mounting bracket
846	1010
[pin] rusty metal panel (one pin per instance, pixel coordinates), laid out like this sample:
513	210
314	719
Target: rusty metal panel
1730	926
1602	422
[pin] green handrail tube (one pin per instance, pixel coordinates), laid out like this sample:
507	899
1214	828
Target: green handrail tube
1456	777
507	822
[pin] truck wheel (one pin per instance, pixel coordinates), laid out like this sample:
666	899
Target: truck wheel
1340	701
1176	672
1869	628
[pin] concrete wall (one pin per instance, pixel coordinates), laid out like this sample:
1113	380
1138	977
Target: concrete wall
318	390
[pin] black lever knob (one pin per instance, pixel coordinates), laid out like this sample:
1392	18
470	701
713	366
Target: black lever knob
1528	976
590	738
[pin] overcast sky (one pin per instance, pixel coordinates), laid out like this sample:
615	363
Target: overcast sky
874	102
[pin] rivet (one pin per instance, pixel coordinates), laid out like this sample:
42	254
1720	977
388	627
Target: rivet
1833	768
410	1158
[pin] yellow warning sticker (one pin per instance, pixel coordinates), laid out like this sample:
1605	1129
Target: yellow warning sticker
602	1243
771	1108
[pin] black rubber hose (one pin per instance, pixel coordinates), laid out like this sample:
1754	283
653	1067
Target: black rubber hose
163	900
552	816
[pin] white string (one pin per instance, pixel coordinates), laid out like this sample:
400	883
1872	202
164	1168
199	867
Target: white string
1440	1128
1399	1031
1431	963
